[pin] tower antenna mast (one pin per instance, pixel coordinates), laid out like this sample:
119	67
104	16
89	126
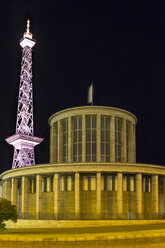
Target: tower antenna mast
24	140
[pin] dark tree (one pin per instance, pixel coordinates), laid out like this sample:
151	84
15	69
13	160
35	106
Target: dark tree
7	212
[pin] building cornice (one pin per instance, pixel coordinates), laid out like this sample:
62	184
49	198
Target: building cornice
67	111
84	168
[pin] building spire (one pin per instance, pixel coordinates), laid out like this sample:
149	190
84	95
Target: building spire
28	26
23	140
27	34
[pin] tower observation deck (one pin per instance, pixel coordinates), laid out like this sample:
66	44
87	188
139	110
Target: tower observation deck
24	140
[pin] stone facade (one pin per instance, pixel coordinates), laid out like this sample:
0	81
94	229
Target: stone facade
92	172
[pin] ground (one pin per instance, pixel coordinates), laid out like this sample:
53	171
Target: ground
32	237
49	245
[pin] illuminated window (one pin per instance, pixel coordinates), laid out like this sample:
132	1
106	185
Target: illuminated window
62	183
146	183
117	139
44	184
161	184
49	184
65	140
66	183
85	183
132	183
125	183
105	138
115	188
32	185
88	182
129	183
20	185
77	139
149	184
102	183
91	138
69	183
109	183
93	183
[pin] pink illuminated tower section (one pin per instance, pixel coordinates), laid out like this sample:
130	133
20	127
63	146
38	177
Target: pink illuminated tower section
24	140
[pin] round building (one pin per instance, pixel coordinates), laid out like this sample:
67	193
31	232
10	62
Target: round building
92	172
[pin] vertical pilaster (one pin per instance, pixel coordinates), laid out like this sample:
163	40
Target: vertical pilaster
139	195
130	144
56	185
77	195
83	139
60	141
112	139
123	141
70	139
98	141
155	206
38	197
120	194
24	209
98	195
7	190
52	144
134	143
14	189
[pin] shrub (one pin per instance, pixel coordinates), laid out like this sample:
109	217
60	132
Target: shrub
7	212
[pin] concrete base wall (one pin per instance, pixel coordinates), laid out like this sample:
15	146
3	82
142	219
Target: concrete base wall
76	223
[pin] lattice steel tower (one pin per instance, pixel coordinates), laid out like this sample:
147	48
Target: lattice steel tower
23	140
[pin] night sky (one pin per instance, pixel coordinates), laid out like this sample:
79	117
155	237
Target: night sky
117	45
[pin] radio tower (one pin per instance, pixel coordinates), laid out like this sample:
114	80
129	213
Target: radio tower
23	140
